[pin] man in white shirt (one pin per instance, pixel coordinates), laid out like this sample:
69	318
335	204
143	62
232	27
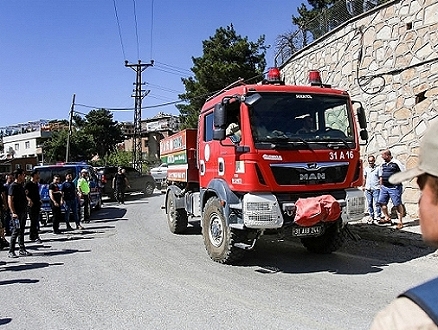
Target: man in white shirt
372	189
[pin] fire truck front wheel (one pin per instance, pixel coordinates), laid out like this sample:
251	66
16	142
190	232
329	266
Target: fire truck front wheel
333	238
219	239
177	219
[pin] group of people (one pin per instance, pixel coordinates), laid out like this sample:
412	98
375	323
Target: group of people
20	199
379	190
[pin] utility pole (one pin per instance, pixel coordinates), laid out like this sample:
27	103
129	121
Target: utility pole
70	122
139	94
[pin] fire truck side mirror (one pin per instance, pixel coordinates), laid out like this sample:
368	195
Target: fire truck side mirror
220	121
361	117
220	116
364	135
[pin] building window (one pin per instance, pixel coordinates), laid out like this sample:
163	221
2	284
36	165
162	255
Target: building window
27	145
29	167
16	147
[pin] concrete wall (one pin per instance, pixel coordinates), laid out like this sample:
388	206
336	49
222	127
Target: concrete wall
388	60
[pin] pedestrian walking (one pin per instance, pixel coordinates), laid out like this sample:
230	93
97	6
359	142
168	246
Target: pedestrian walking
372	190
34	205
120	182
84	193
7	221
17	202
55	195
389	190
3	208
417	308
70	197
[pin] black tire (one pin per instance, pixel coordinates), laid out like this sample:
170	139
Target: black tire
218	238
177	219
333	239
149	188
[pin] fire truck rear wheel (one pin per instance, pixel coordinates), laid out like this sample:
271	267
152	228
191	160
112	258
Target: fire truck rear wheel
177	219
333	238
218	238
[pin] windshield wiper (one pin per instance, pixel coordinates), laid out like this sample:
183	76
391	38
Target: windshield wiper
338	140
287	142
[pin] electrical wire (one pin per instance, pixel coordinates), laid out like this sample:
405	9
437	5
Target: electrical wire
136	30
152	26
119	29
178	69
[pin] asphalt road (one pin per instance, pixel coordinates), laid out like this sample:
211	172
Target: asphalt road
127	271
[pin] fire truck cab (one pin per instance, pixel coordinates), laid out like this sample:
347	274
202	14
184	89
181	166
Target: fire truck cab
259	150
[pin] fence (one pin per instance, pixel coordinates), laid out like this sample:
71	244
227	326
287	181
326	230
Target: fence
323	22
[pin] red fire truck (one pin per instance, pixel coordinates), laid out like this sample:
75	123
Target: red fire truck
266	158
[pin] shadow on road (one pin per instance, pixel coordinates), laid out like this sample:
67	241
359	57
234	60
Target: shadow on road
30	265
5	320
18	280
272	255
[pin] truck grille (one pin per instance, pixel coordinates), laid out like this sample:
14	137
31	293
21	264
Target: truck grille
309	173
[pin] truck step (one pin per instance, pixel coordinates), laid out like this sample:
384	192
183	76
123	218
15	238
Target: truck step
245	246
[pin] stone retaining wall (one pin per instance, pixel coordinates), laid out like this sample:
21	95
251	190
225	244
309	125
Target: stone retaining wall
387	59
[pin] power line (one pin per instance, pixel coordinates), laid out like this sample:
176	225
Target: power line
174	67
136	30
119	29
172	72
152	25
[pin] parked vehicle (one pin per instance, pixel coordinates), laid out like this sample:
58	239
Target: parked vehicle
138	182
46	177
159	174
274	174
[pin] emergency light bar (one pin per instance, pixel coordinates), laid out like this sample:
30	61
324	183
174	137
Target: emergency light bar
315	78
273	76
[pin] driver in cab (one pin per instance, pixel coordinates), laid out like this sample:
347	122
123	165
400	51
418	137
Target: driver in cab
233	130
308	125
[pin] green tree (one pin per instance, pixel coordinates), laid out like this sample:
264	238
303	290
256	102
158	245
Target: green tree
118	158
81	147
227	57
315	20
105	133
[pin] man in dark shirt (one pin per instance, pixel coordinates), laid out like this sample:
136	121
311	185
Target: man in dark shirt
7	225
55	195
3	208
71	201
120	182
33	195
17	201
389	190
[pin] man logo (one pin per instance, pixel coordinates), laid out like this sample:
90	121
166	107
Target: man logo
312	176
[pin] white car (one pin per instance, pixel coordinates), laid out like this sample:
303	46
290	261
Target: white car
159	174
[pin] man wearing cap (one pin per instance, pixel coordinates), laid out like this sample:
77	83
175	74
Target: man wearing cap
84	193
417	308
34	205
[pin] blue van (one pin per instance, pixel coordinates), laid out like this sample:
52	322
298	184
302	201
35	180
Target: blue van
46	177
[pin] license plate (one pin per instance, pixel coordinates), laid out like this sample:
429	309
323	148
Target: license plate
307	231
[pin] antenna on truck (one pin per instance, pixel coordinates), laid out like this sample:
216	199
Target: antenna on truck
234	84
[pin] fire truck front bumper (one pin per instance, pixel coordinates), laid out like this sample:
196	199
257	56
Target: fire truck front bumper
261	211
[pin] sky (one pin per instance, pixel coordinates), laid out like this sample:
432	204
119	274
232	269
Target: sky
51	50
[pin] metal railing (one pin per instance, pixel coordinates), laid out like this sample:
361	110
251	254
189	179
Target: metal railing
323	22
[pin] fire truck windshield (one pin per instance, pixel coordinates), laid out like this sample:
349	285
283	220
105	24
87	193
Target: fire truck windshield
282	119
